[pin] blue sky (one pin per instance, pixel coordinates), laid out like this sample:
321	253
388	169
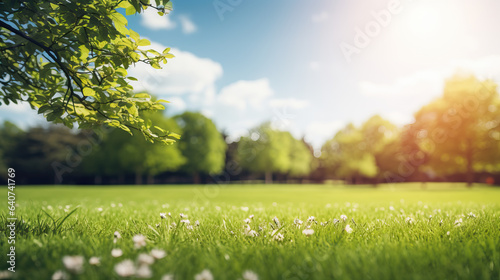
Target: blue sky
286	61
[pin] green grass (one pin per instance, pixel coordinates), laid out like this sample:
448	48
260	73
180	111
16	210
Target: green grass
383	245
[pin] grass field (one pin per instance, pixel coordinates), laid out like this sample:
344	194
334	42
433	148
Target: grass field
445	231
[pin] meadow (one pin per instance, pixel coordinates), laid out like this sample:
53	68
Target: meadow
442	231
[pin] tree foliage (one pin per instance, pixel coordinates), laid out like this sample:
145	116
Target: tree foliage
459	130
202	145
69	60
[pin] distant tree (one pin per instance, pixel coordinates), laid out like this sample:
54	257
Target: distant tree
202	145
68	60
458	129
300	158
265	151
119	154
347	156
10	135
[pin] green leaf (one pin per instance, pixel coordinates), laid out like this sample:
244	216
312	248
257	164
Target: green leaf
130	10
89	92
144	42
162	101
142	95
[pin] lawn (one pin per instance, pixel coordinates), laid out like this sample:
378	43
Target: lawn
445	231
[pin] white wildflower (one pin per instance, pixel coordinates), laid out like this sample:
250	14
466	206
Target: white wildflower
308	231
250	275
163	215
279	237
117	235
189	227
73	263
471	215
167	277
204	275
311	219
139	241
252	233
297	221
409	220
125	268
458	222
391	208
183	216
276	221
144	271
197	223
348	229
251	216
336	221
145	259
95	261
247	221
448	233
343	217
60	275
158	253
187	222
116	253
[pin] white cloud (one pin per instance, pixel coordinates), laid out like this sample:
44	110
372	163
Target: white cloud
151	19
320	17
187	25
243	94
289	103
21	114
176	104
431	82
186	73
317	133
314	65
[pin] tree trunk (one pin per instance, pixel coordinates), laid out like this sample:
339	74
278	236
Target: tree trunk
138	178
269	177
196	178
470	171
151	179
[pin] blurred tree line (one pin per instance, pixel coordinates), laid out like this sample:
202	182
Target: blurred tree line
456	137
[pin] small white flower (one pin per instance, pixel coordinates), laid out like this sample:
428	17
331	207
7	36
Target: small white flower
144	271
60	275
167	277
173	225
139	241
279	237
471	215
158	253
297	221
430	216
183	216
458	222
189	227
187	222
276	221
250	275
391	208
409	220
117	235
348	229
99	209
197	223
251	216
163	215
244	209
336	221
252	233
95	261
73	263
448	233
116	253
247	221
308	231
145	259
125	268
204	275
311	219
343	217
